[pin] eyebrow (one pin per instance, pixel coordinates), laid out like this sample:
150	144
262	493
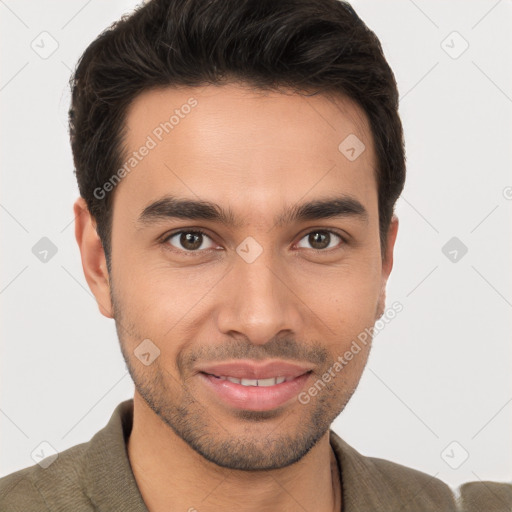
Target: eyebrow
171	207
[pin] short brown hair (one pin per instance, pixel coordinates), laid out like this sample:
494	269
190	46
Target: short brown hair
319	45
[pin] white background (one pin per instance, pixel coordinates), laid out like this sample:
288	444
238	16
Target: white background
438	373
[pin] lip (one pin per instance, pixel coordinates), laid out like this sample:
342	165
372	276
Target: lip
254	398
254	370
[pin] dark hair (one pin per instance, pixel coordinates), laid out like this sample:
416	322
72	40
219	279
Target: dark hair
304	45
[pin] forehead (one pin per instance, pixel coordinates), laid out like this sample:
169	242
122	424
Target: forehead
254	149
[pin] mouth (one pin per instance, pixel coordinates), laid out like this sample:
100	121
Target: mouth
271	381
254	394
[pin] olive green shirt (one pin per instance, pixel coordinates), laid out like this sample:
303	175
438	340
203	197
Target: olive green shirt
97	476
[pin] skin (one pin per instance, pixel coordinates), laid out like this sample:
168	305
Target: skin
256	153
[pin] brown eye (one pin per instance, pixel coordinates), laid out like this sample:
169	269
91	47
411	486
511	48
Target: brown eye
188	241
322	239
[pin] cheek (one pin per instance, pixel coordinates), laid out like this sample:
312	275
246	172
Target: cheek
348	292
352	317
160	299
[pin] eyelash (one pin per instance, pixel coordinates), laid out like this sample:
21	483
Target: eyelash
204	233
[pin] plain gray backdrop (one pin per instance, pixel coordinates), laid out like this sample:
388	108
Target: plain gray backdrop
436	394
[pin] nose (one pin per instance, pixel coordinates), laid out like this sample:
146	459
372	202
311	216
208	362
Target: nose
258	300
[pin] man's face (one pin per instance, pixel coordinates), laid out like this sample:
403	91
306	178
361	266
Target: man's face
299	291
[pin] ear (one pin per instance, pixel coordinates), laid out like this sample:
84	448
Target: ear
94	262
387	264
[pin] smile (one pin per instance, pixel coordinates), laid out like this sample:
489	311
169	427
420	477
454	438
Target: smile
272	381
254	394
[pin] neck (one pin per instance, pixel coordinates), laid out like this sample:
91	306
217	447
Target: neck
172	476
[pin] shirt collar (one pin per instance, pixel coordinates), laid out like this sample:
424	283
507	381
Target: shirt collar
108	476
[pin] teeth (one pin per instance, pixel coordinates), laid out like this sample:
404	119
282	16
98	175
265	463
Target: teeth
257	382
249	382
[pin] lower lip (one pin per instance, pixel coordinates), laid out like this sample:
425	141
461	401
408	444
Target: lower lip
255	398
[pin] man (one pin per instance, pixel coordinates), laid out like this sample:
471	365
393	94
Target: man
238	164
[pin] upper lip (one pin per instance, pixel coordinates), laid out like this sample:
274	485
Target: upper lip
255	370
